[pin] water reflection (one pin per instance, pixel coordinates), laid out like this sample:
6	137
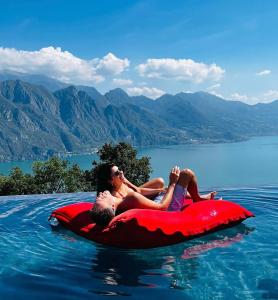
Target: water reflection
219	240
123	267
174	266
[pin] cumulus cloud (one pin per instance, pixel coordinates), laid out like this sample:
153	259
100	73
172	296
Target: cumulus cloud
240	97
217	94
122	82
150	92
110	64
263	73
270	95
61	65
245	98
188	92
213	87
180	69
265	97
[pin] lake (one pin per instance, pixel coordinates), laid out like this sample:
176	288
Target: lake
249	163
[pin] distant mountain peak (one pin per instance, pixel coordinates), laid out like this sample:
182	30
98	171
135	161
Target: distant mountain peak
118	91
38	79
70	90
165	96
118	97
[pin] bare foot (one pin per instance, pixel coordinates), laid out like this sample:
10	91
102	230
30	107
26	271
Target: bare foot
209	196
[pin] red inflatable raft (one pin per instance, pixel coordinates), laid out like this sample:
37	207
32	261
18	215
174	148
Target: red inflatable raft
146	228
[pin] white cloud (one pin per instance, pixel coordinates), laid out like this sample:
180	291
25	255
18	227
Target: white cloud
61	65
188	92
122	82
146	91
240	97
110	64
217	94
263	73
180	69
270	95
245	98
213	87
266	97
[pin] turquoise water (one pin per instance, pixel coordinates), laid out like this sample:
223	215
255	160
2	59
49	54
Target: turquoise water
84	161
40	263
250	163
236	263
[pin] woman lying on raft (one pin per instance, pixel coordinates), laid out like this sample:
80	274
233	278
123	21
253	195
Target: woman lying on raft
115	194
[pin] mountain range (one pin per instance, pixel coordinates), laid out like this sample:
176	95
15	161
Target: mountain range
40	116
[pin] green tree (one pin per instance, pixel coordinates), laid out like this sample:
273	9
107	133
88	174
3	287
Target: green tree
17	183
49	175
75	180
137	170
55	176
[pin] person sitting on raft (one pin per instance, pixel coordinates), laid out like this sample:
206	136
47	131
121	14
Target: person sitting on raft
115	194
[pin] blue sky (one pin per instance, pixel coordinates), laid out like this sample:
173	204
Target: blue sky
228	48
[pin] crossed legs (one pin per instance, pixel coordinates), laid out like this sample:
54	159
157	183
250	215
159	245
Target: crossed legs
187	180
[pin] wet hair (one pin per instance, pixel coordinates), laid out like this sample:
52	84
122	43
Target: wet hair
101	216
103	178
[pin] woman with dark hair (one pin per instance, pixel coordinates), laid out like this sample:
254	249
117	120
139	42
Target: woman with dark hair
105	181
116	194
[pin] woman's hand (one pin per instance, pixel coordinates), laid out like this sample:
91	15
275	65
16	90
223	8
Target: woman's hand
174	175
128	183
123	178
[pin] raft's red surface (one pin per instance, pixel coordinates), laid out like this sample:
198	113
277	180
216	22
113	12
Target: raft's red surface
146	228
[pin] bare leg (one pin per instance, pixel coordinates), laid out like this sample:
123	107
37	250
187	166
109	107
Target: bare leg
188	180
156	183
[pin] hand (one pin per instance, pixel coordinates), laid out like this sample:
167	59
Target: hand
129	184
122	176
174	175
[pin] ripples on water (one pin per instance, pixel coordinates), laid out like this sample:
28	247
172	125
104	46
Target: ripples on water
236	263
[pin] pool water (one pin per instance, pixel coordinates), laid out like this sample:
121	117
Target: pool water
38	262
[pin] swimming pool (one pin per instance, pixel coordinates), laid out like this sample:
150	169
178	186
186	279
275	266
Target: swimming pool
236	263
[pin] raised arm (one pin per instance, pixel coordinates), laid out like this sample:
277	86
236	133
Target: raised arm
150	191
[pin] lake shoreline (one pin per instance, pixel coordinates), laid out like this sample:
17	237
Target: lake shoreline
245	164
64	155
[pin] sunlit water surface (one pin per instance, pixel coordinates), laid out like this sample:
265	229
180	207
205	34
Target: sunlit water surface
40	263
